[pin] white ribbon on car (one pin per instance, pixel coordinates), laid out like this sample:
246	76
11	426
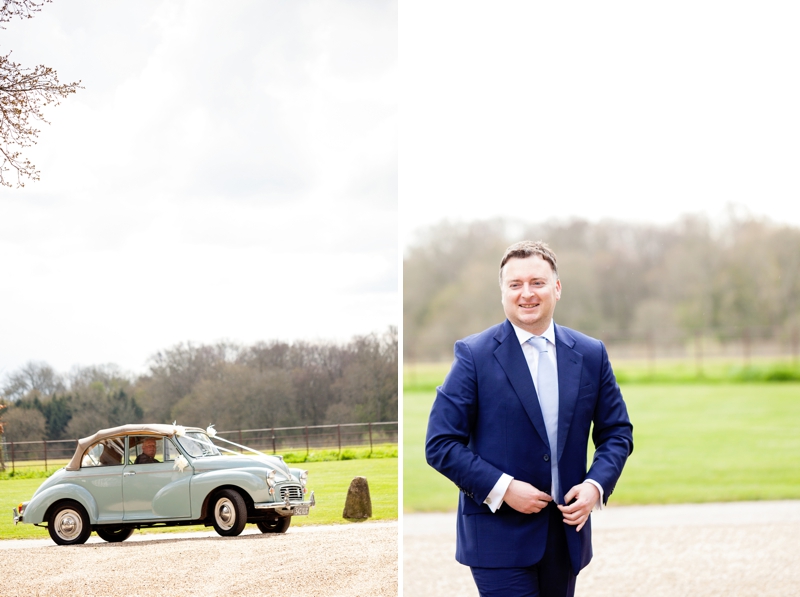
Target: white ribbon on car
181	463
211	432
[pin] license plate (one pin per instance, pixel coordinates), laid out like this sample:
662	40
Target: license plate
300	511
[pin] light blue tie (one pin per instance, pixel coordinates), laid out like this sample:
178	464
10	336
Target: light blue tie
547	389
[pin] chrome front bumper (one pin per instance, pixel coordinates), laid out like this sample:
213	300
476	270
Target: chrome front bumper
287	508
17	516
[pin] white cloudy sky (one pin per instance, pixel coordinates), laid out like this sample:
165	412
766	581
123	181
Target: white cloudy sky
228	172
630	110
232	173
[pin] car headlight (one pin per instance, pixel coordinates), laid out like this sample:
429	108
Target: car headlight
303	478
271	478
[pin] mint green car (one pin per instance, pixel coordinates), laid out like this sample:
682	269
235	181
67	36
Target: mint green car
138	476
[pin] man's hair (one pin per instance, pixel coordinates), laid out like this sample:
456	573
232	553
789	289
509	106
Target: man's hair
529	248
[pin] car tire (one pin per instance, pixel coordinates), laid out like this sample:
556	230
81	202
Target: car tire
229	513
279	525
114	534
68	524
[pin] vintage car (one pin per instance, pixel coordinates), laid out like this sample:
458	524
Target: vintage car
138	476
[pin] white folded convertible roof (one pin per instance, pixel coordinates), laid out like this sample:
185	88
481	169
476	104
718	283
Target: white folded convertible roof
122	430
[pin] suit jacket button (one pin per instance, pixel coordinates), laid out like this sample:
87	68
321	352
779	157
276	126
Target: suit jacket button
546	457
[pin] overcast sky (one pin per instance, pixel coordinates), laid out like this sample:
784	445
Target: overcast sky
636	111
228	172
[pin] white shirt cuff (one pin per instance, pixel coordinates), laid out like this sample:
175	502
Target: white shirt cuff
599	504
495	498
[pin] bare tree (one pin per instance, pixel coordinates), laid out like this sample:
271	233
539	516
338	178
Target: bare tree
34	376
24	92
24	424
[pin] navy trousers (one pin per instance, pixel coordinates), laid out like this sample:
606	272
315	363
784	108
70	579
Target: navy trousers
552	576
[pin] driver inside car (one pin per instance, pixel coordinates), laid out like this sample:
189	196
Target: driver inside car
148	452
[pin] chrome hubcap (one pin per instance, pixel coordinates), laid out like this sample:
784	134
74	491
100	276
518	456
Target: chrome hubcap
226	517
68	524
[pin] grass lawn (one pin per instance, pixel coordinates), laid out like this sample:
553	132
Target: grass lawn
692	443
425	376
704	443
328	480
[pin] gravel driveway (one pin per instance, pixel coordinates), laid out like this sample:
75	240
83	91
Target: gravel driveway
736	549
351	560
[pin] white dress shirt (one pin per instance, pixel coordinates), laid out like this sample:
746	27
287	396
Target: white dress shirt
495	498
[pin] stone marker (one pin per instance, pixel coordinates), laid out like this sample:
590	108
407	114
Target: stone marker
358	505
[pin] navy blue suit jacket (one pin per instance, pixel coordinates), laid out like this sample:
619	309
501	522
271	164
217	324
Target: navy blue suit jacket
486	421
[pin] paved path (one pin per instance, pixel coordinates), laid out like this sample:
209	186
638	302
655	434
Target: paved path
732	549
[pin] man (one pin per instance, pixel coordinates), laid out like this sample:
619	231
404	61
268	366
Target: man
148	452
510	427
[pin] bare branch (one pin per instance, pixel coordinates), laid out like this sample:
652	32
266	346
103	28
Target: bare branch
23	94
24	9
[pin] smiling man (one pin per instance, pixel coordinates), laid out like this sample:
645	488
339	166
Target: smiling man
510	427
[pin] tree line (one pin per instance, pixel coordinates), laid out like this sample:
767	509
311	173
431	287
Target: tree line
267	384
621	281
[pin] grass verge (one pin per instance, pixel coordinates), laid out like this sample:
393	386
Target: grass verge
35	469
427	376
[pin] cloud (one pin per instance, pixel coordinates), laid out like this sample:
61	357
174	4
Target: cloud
229	171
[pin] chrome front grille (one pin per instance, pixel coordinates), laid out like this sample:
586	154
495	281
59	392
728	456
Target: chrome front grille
295	493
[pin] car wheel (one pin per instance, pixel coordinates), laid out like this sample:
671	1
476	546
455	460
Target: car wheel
68	524
229	514
114	534
279	525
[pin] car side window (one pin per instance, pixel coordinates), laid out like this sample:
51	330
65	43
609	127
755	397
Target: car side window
170	451
145	449
107	452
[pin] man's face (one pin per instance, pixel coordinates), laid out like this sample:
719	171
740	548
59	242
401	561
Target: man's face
149	447
530	292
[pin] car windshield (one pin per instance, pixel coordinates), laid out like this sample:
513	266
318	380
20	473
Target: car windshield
197	444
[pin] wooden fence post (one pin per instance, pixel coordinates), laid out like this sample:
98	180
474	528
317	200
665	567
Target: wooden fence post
370	439
307	449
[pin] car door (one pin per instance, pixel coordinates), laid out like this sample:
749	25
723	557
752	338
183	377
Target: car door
101	474
155	490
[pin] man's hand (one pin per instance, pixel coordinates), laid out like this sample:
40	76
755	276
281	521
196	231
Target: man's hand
525	498
577	513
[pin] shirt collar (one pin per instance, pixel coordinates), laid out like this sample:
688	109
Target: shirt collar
523	335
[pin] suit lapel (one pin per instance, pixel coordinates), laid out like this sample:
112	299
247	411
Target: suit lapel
509	355
570	363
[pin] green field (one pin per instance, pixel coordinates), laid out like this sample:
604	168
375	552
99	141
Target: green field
424	376
329	480
36	468
693	442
